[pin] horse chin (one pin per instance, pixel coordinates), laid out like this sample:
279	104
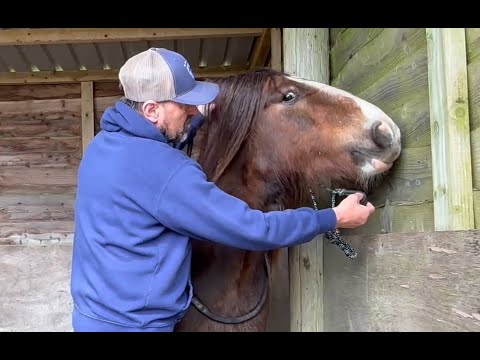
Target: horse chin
370	165
370	175
373	167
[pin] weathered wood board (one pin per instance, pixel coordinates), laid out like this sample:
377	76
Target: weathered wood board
473	70
389	67
40	150
35	288
404	282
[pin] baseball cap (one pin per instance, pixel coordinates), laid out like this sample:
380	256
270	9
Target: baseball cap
160	74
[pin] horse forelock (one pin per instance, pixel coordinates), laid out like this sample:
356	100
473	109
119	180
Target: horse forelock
237	109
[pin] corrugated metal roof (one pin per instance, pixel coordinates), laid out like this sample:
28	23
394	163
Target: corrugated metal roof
34	55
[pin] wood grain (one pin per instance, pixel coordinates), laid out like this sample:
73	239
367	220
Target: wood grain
405	282
306	261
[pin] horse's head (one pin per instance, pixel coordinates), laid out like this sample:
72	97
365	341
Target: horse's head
327	130
297	132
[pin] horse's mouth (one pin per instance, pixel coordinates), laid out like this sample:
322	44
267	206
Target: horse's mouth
370	164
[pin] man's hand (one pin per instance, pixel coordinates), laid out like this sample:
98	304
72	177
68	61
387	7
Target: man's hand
351	214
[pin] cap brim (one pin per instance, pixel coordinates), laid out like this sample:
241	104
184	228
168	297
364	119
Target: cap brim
203	93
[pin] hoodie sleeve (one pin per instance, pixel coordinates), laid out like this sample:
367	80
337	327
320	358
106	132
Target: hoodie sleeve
196	207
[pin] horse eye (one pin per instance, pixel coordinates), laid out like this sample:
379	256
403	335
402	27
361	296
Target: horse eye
289	97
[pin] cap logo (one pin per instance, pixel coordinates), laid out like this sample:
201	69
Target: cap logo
187	66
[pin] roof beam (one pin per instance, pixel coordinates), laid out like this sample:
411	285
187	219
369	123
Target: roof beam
30	36
262	50
52	77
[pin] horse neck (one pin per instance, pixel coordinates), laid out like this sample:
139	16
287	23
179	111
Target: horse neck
229	280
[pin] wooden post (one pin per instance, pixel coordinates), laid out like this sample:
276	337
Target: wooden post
450	129
276	48
88	114
306	54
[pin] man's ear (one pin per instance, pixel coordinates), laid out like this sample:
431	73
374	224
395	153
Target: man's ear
152	111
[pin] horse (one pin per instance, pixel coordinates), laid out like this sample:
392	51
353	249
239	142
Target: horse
269	139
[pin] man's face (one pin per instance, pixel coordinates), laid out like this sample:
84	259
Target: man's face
177	120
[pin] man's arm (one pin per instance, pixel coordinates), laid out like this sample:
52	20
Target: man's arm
196	207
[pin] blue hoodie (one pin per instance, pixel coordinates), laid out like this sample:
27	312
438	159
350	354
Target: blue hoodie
139	201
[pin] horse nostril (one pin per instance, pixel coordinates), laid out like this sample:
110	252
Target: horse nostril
381	134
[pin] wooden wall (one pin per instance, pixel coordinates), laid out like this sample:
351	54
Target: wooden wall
388	67
40	149
407	277
473	71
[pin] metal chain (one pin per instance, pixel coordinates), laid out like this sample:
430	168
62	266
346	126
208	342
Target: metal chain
334	237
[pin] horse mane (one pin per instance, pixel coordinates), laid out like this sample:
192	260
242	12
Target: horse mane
237	108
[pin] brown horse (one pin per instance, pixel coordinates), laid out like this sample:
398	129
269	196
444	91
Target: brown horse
269	139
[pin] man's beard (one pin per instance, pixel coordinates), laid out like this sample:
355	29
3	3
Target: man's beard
182	135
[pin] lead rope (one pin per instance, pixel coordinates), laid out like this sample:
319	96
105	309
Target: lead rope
334	237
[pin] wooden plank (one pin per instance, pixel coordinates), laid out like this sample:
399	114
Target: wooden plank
334	34
305	261
88	114
410	180
50	145
280	307
40	107
416	282
347	44
476	208
55	125
20	176
261	50
88	35
38	190
36	232
28	208
475	139
473	70
397	217
39	92
472	37
409	109
379	57
450	128
46	77
35	294
392	87
41	159
106	89
27	200
276	49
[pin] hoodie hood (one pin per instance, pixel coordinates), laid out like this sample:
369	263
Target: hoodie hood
122	117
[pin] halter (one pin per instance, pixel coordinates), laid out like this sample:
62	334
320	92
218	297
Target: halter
334	236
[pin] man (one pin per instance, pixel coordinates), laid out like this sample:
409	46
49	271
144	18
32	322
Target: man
140	199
